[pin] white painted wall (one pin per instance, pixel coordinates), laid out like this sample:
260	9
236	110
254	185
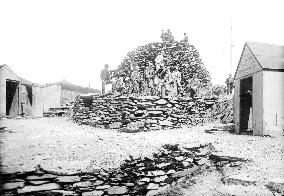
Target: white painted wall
237	106
273	102
37	106
51	96
257	103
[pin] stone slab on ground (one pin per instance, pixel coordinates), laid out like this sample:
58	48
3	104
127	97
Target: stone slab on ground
185	172
12	185
117	190
276	185
44	187
43	177
93	193
153	186
64	193
83	184
68	179
39	182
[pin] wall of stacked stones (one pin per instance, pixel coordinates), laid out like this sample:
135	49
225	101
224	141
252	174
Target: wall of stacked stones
140	113
140	176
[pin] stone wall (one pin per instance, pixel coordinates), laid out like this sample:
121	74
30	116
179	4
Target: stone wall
141	176
140	113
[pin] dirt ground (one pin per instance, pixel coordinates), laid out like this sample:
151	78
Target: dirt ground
61	145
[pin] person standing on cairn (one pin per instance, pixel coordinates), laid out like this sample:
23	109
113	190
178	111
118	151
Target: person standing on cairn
185	39
230	84
168	81
134	79
159	60
149	76
174	78
160	81
105	77
177	81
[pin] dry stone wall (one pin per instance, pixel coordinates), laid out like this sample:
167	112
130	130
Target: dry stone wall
140	113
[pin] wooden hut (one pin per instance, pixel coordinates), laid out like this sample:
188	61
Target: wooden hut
259	90
18	96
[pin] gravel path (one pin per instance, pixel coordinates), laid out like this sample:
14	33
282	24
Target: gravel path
60	145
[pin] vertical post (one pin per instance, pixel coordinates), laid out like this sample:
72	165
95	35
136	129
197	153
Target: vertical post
231	36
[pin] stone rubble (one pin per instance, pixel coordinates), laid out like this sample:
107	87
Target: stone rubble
139	176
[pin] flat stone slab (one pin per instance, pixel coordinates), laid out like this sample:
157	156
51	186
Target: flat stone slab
68	179
161	102
185	172
145	180
158	173
153	186
93	193
44	187
12	185
43	177
103	187
162	165
117	190
38	182
129	184
160	178
64	193
98	182
239	179
83	184
276	185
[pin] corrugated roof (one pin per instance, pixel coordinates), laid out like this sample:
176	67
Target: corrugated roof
270	56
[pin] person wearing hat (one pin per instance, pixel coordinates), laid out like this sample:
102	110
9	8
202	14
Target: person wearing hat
105	77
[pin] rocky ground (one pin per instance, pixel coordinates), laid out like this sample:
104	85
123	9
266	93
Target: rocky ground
63	147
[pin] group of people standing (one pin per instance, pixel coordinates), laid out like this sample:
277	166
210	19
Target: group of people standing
155	79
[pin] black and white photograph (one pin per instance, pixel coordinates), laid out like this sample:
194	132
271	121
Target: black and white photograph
142	97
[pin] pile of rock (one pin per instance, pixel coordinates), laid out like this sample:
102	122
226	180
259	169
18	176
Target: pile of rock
141	176
57	111
223	110
140	113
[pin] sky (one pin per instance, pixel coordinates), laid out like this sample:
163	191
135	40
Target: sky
46	41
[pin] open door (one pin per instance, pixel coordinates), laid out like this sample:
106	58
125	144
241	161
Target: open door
12	98
246	106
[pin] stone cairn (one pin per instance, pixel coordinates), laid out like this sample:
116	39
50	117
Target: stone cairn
131	114
140	176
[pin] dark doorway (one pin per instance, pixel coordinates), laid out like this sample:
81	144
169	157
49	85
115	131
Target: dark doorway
11	97
246	106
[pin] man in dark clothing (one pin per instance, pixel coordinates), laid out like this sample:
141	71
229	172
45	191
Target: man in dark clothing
230	84
105	77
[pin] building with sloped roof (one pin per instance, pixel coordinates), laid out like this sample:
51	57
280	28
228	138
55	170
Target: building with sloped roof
19	96
63	93
259	90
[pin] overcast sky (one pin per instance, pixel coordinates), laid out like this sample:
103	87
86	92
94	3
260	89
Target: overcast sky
47	41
